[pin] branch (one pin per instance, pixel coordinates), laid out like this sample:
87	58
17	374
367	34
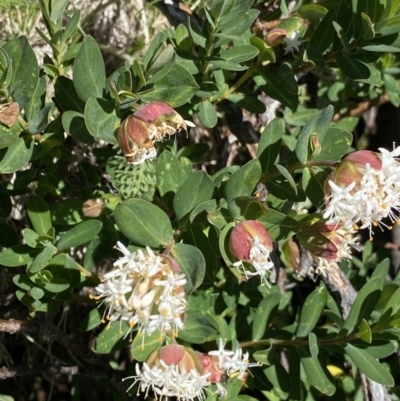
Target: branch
42	327
363	106
9	373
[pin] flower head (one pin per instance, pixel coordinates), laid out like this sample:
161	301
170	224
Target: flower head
145	289
149	124
232	362
172	371
365	187
292	42
251	243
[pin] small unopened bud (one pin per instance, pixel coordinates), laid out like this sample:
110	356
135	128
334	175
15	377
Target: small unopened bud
290	254
275	37
243	235
315	145
93	207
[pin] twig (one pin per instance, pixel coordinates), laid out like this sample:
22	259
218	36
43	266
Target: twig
363	106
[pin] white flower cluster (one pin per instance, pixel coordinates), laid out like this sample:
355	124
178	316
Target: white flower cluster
374	198
232	361
260	259
185	380
143	290
170	381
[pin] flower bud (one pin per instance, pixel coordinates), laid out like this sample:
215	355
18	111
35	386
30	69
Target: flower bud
290	254
242	238
149	124
275	37
93	207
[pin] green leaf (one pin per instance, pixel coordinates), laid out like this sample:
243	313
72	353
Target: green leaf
111	338
177	87
311	311
312	11
316	372
196	34
74	125
388	26
101	119
359	71
246	208
80	234
143	345
18	255
89	74
197	188
153	49
192	264
264	313
170	174
313	185
71	26
279	378
43	259
207	114
243	181
313	345
8	135
66	95
40	121
279	225
270	144
318	125
280	86
365	332
364	304
334	144
369	365
239	54
25	69
323	35
39	214
36	103
200	327
17	155
219	8
91	320
58	8
144	223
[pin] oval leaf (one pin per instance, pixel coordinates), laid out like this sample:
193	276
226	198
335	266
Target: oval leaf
311	311
39	214
243	181
78	235
144	223
192	263
369	365
89	70
197	188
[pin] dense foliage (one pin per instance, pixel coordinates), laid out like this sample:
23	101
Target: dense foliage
193	219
